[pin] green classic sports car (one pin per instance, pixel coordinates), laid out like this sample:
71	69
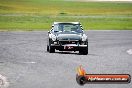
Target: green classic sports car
67	36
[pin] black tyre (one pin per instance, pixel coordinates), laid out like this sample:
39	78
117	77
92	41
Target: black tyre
84	51
50	48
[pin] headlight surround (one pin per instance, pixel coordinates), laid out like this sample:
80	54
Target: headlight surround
84	37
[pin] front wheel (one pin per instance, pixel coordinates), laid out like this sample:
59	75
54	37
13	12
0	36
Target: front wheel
50	48
47	48
84	51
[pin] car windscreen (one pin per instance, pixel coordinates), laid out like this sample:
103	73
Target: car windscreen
67	27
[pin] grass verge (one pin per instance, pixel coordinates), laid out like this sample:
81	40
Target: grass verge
28	15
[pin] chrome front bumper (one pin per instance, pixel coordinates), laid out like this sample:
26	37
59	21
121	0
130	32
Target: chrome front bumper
72	45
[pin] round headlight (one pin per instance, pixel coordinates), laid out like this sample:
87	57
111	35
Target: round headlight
84	37
53	38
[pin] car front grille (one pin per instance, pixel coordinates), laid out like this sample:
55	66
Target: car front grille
68	42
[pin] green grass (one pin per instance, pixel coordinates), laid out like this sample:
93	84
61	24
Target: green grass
28	15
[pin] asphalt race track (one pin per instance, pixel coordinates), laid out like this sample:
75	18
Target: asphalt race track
26	64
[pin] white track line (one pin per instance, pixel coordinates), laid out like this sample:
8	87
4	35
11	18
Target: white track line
129	51
3	82
29	62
